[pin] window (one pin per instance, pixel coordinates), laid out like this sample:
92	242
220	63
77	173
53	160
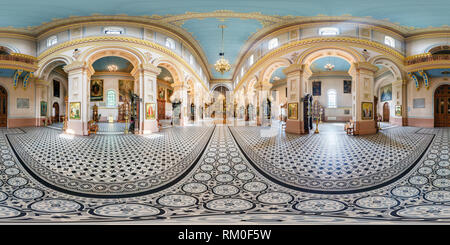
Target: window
52	41
332	98
389	41
170	43
112	30
328	31
191	60
273	43
111	98
242	71
250	60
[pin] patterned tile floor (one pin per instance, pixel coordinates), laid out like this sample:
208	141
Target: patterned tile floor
223	187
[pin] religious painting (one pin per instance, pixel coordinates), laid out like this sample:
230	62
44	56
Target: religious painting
398	110
386	93
75	110
150	111
293	111
97	90
56	88
347	86
23	103
169	93
43	108
161	94
317	87
367	110
125	88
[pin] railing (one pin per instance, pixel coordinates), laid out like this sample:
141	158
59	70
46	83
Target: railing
428	58
18	58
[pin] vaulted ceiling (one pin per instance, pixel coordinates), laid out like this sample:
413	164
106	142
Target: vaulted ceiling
25	13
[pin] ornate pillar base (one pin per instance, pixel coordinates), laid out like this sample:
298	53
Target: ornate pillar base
295	127
77	127
365	127
150	127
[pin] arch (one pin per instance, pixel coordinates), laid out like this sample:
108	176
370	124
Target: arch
47	65
435	46
220	84
134	56
269	69
312	54
172	68
8	48
394	67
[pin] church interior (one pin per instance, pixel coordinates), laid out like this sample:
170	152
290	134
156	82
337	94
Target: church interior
230	112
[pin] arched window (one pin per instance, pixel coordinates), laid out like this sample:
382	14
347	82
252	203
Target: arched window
111	98
113	30
191	59
170	43
273	43
329	31
389	41
52	41
332	98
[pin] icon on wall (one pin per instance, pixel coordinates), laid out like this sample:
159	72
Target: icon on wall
347	86
293	111
398	110
75	110
150	111
317	86
386	93
43	108
367	110
96	90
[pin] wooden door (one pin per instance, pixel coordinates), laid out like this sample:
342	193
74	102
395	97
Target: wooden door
386	112
442	106
3	107
161	109
56	116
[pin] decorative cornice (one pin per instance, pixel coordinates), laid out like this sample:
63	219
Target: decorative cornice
137	41
14	65
305	43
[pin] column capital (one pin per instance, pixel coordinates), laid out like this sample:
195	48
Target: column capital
293	68
146	68
264	85
75	65
42	83
365	66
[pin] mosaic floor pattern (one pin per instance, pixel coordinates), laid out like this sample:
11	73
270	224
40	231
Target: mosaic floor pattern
109	165
223	187
331	161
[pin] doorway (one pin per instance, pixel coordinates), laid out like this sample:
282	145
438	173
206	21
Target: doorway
442	106
55	117
3	107
386	112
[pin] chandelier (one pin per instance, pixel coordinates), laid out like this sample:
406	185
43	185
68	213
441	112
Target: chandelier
222	65
112	68
329	67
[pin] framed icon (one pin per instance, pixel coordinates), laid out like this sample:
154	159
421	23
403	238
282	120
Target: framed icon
150	111
366	110
293	111
75	110
398	110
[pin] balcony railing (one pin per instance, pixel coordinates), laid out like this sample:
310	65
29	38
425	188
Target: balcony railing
18	58
428	58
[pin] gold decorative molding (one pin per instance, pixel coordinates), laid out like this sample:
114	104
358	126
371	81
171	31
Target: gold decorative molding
324	41
15	65
134	41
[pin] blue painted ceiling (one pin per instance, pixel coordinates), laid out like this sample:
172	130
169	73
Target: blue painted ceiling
101	65
24	13
339	64
278	73
165	73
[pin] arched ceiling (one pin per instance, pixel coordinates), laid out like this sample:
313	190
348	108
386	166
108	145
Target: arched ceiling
278	75
123	65
339	64
165	75
195	16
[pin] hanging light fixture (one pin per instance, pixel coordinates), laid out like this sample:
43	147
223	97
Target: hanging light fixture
112	68
222	65
329	66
